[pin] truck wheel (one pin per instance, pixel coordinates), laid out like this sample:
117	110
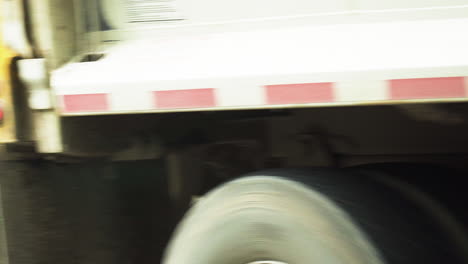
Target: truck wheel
307	216
265	219
437	190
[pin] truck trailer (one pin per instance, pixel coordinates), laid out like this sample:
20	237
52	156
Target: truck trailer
253	132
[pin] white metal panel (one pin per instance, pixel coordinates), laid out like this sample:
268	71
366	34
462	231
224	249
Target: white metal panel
215	10
119	14
239	62
188	16
298	50
395	4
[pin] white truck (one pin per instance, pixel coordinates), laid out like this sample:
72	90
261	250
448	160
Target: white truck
302	98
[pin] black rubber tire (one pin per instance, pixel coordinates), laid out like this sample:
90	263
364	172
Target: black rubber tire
437	190
306	216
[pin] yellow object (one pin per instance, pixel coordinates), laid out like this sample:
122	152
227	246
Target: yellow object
7	123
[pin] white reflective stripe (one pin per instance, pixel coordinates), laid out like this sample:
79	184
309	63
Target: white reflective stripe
366	90
240	94
129	100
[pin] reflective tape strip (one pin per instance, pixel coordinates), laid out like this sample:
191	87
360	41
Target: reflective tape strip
361	90
423	88
251	95
299	93
85	103
191	98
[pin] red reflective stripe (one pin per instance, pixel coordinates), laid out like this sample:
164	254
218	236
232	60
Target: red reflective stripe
85	102
299	93
427	88
196	98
